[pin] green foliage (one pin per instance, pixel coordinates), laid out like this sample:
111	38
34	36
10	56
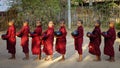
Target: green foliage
44	10
118	25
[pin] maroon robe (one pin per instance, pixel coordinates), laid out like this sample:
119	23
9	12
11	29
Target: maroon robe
109	42
79	40
11	39
36	42
61	41
24	38
95	41
48	41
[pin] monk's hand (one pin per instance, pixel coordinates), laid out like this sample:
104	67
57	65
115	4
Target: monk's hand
56	37
88	35
29	35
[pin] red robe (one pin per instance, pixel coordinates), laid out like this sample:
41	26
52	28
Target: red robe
24	38
109	42
79	40
61	41
36	42
11	39
48	42
95	41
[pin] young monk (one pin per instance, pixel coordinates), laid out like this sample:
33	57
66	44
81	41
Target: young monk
109	39
95	41
48	41
24	32
78	41
36	41
11	39
61	40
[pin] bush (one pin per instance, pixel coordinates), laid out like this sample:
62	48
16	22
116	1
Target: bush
118	25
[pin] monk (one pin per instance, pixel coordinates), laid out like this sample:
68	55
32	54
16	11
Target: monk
78	41
24	34
48	41
10	37
95	41
109	39
36	41
61	40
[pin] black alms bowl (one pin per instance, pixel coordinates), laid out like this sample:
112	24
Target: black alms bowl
88	33
118	34
3	36
105	33
75	33
58	33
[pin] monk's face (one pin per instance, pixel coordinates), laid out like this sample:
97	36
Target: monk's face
62	23
50	24
96	24
111	24
38	23
79	23
25	23
10	23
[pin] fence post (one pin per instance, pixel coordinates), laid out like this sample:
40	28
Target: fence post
69	14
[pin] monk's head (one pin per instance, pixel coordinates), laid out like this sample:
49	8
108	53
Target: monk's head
79	23
25	23
11	23
111	24
50	24
38	23
62	22
97	23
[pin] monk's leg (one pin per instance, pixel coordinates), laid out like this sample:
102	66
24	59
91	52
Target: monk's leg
80	58
38	57
112	59
26	56
26	51
98	58
63	57
12	51
49	58
12	56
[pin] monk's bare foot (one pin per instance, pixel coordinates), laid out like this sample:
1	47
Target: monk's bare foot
37	59
12	58
112	60
108	59
97	60
26	58
62	59
48	59
79	60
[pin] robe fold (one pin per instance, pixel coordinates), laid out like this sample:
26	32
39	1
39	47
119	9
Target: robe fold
24	33
78	41
61	41
109	39
48	41
95	41
11	39
36	41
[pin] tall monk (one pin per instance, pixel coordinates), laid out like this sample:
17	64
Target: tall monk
95	41
24	34
61	40
109	39
10	36
36	41
78	41
48	41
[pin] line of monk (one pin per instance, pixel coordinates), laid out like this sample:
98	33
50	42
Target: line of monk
46	39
